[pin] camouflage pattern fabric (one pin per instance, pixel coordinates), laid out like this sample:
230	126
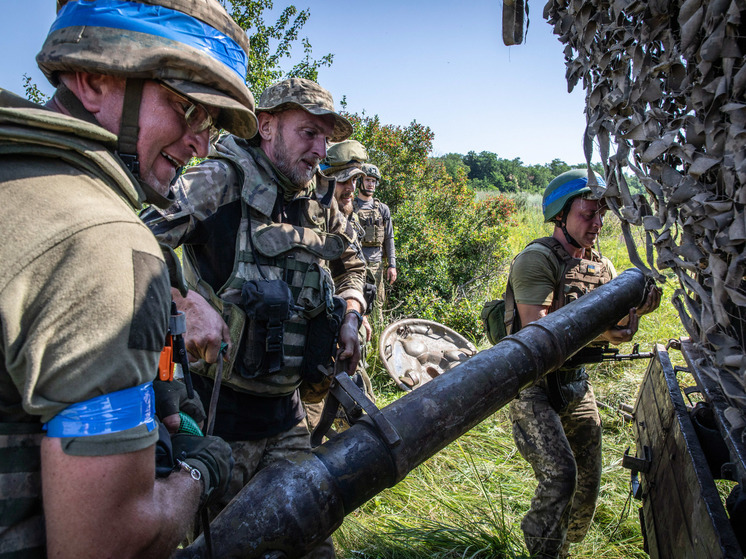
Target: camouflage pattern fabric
376	272
323	236
344	154
307	95
252	456
564	450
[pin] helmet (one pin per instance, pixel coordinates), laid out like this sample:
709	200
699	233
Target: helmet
304	94
194	47
564	188
344	155
372	171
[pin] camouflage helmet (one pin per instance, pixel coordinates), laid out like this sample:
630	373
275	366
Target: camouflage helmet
192	46
300	93
345	174
564	188
371	170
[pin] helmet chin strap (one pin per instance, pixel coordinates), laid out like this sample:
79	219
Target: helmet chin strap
569	238
129	128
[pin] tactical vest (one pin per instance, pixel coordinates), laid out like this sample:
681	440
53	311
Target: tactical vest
577	277
371	220
295	253
29	130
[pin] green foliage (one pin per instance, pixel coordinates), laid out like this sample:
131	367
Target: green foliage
32	91
447	242
271	44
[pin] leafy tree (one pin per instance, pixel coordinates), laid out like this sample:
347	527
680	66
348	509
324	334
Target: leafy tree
448	244
32	91
271	44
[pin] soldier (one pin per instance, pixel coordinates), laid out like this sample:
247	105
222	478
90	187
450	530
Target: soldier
378	241
85	299
258	223
556	425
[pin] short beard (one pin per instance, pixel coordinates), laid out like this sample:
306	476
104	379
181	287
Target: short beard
347	208
282	161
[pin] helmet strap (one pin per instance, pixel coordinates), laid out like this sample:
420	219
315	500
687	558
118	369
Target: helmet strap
129	128
570	239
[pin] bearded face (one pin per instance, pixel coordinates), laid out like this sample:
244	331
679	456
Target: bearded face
344	194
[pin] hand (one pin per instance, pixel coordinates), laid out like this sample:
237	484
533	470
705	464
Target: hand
391	275
651	301
211	456
349	343
368	328
623	333
171	398
206	329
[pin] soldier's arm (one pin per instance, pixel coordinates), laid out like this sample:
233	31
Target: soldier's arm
110	506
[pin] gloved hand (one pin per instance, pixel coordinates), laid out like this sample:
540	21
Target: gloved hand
211	456
171	398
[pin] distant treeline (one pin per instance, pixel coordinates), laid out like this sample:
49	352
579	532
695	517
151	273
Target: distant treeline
487	171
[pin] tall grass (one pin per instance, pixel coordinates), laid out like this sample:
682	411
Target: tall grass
468	500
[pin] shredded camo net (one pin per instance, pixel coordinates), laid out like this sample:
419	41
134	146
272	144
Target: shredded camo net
664	82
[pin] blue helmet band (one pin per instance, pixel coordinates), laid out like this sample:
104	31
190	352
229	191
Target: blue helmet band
570	187
158	21
109	413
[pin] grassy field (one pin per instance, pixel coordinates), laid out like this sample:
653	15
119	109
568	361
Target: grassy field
468	500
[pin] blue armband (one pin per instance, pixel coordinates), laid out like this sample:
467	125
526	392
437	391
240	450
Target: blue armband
110	413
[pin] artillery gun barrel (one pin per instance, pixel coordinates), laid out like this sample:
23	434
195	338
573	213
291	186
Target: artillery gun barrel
291	506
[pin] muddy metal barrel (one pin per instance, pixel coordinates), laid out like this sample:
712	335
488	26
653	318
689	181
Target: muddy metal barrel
291	506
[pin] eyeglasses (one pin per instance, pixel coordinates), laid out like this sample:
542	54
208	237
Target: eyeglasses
196	116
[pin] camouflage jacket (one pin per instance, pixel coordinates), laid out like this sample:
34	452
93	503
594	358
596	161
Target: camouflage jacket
226	218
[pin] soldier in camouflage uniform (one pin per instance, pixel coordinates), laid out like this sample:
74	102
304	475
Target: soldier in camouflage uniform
343	163
556	425
85	296
378	240
257	215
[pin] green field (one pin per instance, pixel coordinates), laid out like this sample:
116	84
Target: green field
468	500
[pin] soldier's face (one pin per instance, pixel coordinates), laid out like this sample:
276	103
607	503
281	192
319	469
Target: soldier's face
584	220
344	192
295	141
165	141
369	185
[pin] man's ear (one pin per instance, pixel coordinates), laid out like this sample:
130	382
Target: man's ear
95	91
267	125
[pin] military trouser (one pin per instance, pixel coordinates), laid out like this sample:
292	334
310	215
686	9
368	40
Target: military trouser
252	456
377	276
564	450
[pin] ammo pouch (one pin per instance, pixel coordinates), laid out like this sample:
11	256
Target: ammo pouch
321	346
369	293
267	304
565	386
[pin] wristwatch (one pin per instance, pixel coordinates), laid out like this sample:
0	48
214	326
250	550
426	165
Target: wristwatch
357	314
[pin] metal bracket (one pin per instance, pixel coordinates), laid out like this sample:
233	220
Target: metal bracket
638	464
343	391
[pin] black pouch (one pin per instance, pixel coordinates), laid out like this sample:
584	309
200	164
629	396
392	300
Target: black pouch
369	292
321	341
268	304
164	453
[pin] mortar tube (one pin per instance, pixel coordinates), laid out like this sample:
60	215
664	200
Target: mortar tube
292	505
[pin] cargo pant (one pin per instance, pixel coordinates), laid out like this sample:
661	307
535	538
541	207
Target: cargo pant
252	456
564	450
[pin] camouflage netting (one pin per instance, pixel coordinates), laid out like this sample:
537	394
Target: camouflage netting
665	83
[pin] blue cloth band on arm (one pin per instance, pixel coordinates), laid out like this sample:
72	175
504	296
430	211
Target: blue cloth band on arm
110	413
155	20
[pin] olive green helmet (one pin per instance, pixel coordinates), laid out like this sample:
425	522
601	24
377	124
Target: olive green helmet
193	46
372	171
563	189
344	155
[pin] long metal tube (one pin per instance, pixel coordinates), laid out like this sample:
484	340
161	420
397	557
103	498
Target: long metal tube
291	506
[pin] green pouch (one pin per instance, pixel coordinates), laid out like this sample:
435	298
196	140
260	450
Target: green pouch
493	320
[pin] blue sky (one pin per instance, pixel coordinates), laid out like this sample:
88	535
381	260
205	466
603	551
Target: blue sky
440	62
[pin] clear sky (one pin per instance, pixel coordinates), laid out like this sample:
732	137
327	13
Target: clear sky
440	62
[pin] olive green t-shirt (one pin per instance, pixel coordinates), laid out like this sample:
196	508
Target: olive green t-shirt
535	273
84	297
